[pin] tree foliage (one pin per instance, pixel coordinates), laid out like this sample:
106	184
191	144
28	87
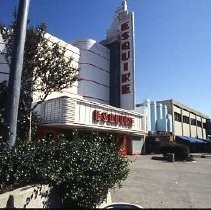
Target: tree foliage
3	93
23	120
47	67
80	168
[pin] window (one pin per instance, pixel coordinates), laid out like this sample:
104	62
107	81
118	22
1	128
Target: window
199	123
205	125
177	117
186	119
193	121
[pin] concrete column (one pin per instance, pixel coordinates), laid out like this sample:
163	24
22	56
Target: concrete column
147	111
159	111
165	111
153	109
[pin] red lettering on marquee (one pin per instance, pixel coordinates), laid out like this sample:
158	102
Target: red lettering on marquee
117	119
125	89
111	118
121	119
129	121
104	116
125	77
96	115
124	120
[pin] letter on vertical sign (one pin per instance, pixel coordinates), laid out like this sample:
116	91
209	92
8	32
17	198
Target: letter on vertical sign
125	89
125	67
125	35
126	46
125	56
126	77
124	26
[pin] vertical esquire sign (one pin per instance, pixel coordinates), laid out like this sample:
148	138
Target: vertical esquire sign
127	63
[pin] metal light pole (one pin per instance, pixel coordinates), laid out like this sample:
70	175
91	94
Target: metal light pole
15	73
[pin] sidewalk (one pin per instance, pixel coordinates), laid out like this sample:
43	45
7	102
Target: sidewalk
201	155
163	184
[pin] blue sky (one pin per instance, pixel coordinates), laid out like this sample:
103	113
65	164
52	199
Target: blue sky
173	41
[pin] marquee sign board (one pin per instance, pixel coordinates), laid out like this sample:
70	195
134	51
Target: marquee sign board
113	118
126	29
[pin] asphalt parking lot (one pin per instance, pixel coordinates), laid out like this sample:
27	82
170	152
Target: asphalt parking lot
161	184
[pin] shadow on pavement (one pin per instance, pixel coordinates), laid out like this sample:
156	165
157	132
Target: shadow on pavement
159	158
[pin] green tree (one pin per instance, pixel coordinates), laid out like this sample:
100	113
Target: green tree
46	68
80	168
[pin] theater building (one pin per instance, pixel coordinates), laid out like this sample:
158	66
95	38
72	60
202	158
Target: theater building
103	98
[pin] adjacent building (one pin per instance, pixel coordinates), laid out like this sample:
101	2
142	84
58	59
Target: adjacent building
208	124
170	121
173	117
186	121
157	117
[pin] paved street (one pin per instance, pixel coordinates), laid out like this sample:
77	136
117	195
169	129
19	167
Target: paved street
162	184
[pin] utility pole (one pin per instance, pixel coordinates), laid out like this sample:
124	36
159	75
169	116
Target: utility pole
15	73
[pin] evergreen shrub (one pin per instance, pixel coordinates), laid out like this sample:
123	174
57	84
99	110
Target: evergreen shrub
181	151
79	167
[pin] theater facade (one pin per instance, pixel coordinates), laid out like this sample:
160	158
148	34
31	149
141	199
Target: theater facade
103	99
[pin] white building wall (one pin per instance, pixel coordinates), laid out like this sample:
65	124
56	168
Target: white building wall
145	110
177	128
203	129
94	64
72	52
4	67
193	127
177	125
186	130
148	114
199	129
186	126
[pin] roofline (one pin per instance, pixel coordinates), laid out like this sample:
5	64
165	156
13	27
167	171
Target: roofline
175	102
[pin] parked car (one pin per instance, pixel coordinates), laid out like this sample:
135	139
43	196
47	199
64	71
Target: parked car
122	205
